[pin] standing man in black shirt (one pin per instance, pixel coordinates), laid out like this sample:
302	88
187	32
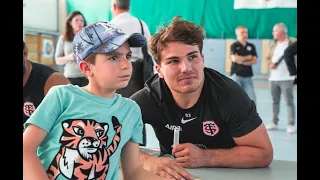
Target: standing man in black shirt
37	80
243	55
218	123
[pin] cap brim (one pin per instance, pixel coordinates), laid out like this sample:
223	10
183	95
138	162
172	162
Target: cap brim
134	40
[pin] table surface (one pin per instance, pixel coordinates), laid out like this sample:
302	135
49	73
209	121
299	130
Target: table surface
278	170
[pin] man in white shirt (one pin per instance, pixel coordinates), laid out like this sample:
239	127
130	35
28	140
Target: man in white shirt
130	24
280	79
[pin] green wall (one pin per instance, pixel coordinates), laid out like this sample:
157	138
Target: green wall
218	17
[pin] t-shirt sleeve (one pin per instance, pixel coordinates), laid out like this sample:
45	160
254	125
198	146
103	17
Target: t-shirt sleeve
59	52
233	49
254	51
47	112
239	111
138	126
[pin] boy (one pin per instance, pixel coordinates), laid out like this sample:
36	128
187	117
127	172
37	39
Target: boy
81	132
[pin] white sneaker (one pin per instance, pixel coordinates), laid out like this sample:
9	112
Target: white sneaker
291	129
272	126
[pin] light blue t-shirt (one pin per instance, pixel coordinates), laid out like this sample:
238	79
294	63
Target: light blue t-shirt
86	133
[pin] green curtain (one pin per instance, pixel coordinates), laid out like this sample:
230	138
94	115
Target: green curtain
217	16
157	12
220	20
153	12
92	10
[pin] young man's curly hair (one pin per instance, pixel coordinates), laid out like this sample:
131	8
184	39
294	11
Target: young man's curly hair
178	31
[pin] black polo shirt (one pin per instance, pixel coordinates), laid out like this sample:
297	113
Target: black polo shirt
239	69
223	112
33	90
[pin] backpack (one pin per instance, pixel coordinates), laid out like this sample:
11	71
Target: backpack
142	70
147	62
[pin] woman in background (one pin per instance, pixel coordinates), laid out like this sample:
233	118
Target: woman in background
64	53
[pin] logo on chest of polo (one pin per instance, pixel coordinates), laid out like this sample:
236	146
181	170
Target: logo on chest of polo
28	108
187	118
210	128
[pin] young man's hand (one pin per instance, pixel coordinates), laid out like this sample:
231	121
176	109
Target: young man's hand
188	155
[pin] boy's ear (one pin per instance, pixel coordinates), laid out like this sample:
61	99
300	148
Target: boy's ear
85	68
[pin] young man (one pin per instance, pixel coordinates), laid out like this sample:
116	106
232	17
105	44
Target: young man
82	132
219	125
243	56
37	80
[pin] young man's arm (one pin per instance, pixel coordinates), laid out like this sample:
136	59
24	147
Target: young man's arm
164	167
32	167
254	148
54	79
130	165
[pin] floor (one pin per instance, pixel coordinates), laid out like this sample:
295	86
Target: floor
284	144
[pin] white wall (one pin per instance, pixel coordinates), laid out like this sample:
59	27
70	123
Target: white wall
62	10
41	15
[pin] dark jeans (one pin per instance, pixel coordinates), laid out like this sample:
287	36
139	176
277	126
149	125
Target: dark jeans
80	81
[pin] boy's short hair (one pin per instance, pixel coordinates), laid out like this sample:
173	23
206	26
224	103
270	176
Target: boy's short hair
102	37
178	31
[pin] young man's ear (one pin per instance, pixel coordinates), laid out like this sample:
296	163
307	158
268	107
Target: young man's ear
158	68
85	68
202	56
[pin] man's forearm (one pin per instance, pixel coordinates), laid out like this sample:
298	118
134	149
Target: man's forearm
240	59
251	61
237	157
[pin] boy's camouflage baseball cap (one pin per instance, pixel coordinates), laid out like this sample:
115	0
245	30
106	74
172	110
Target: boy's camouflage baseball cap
102	37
